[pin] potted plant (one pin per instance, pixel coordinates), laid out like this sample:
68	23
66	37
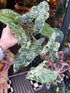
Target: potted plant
49	69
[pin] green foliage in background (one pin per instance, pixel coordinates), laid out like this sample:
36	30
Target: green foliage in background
60	8
62	88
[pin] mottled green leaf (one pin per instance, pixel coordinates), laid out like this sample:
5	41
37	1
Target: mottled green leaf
27	54
52	46
55	38
39	14
8	17
19	33
41	74
29	16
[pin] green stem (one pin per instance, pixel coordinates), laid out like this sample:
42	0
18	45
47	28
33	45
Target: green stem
45	57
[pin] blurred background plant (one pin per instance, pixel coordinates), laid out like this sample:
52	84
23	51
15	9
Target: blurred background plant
60	8
62	88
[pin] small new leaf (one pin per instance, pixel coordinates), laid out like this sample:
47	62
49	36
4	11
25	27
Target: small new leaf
47	30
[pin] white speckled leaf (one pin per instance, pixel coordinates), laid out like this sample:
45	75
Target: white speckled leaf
8	17
26	55
39	14
53	45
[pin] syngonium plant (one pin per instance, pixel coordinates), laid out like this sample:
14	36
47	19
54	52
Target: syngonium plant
30	49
